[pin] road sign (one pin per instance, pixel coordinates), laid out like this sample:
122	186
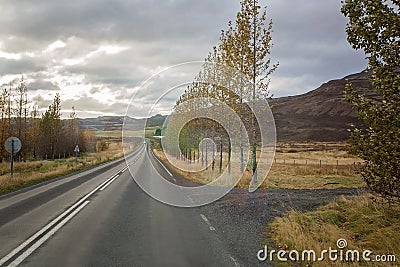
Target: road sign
76	150
13	145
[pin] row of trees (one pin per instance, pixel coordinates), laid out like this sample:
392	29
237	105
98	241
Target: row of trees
374	27
43	136
237	73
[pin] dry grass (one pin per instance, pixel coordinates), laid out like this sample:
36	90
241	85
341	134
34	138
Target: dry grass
28	173
306	168
364	223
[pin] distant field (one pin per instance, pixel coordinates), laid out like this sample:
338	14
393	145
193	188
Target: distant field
305	168
117	133
114	134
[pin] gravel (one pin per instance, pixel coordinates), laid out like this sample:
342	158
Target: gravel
240	218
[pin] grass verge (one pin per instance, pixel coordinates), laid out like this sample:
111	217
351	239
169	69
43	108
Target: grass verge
303	173
364	223
30	173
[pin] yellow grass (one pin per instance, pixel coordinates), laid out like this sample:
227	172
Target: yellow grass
28	173
364	223
303	169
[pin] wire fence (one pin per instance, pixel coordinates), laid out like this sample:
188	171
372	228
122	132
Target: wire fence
338	165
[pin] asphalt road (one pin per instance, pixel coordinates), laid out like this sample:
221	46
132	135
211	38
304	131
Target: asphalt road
100	217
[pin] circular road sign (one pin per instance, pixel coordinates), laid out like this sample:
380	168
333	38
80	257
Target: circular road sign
13	145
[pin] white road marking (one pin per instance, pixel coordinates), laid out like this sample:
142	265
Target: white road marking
235	261
43	239
170	174
109	182
207	222
49	225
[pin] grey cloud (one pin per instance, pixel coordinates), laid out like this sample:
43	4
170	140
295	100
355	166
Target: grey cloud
38	98
41	102
117	20
12	66
83	103
42	85
309	41
95	90
95	106
310	44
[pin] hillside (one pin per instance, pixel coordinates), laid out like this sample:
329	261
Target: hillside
321	114
114	123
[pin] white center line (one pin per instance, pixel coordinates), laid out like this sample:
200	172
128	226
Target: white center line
43	239
49	225
207	222
109	182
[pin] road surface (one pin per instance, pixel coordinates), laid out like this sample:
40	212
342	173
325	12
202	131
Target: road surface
100	217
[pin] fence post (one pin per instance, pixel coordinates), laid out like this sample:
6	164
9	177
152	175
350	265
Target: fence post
202	153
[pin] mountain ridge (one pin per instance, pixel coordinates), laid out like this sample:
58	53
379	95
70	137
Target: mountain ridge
321	114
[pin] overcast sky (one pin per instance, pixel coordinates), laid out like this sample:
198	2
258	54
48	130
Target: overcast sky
95	52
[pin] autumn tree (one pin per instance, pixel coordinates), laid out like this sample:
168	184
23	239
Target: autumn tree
5	111
33	131
374	27
246	46
21	114
71	132
50	128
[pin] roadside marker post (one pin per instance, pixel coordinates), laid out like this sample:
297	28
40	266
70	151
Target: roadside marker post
76	150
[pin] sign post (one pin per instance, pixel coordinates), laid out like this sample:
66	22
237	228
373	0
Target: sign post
12	145
76	150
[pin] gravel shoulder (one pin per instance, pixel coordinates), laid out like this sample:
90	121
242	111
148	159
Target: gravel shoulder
240	218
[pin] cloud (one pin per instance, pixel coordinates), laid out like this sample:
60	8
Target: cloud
42	85
25	65
98	50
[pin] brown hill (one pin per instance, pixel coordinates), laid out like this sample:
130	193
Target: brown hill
321	114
